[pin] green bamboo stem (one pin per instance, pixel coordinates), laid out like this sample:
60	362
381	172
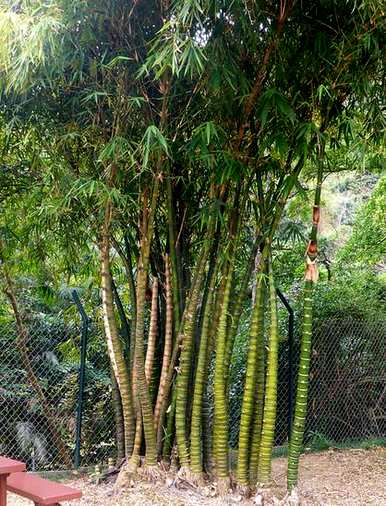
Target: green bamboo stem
200	381
256	349
133	298
238	309
170	426
259	406
221	428
118	415
175	268
298	426
186	339
142	389
270	400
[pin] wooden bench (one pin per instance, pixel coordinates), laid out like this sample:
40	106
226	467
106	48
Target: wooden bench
42	492
7	467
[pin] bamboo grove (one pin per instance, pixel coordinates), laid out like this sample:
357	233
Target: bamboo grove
156	145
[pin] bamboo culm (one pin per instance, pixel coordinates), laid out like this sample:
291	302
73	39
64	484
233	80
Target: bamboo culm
270	399
142	389
114	342
311	276
196	449
255	351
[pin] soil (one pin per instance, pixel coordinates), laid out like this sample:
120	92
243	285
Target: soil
331	478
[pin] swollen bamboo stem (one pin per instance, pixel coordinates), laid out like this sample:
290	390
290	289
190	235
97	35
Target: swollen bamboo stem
196	451
237	310
270	400
311	276
153	330
255	354
187	331
221	428
167	350
259	408
114	342
142	389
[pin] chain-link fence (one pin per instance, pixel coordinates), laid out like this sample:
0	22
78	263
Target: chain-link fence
347	390
39	396
346	398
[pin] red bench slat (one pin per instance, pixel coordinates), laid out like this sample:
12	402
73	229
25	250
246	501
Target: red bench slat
8	466
40	490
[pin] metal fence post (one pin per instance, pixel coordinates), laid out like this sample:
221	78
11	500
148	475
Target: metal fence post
82	376
291	322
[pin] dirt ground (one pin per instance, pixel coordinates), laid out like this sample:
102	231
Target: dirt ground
331	478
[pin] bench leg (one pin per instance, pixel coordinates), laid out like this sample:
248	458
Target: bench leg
3	490
53	504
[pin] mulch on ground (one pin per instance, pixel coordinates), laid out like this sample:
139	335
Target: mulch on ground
330	478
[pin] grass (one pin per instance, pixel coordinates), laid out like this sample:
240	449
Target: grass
66	475
319	443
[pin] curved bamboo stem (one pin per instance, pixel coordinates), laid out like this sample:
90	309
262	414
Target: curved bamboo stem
114	343
167	349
